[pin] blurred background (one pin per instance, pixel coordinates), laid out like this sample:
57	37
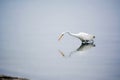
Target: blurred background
29	46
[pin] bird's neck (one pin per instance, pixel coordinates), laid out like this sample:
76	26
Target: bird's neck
71	34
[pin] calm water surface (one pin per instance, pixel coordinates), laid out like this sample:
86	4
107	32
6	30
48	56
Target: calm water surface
29	45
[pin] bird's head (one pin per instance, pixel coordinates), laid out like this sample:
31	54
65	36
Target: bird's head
63	35
60	36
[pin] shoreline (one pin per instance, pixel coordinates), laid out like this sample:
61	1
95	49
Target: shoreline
5	77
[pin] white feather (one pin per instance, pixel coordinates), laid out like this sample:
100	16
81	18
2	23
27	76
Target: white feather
84	37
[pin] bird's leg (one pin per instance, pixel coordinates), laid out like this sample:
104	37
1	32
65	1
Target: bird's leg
92	41
87	41
83	41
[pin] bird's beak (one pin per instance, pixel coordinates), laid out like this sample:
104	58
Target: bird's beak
60	37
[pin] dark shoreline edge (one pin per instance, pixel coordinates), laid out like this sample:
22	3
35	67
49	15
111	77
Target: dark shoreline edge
5	77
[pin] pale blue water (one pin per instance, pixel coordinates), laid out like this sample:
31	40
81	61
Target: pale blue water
29	45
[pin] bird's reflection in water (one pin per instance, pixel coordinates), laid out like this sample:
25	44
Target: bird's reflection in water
83	47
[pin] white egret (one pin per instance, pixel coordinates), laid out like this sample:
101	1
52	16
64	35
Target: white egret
84	37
